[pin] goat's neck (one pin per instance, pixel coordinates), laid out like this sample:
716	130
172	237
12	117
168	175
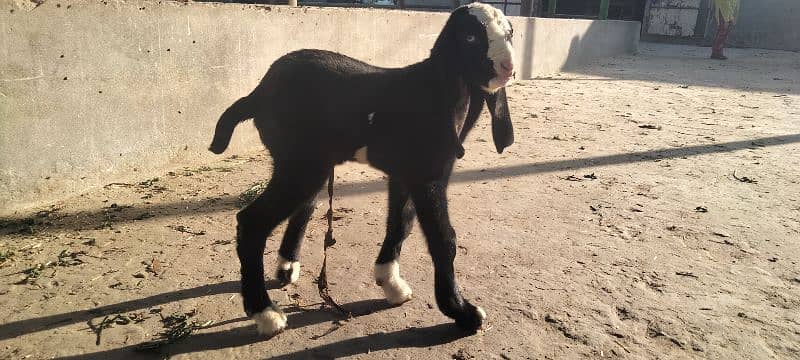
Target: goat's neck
427	85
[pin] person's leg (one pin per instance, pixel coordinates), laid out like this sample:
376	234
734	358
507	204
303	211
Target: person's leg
723	29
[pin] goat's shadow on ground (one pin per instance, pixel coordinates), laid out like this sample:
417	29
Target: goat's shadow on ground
297	317
246	335
21	327
243	335
98	217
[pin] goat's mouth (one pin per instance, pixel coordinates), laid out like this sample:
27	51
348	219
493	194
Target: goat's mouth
498	82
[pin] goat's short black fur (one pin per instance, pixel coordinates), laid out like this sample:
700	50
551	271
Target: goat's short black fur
314	109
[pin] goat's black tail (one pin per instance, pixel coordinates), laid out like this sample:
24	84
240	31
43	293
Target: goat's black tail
240	111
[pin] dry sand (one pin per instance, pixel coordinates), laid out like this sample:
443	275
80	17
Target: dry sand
614	227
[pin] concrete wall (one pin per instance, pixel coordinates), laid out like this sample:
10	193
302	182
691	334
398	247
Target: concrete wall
546	46
93	92
768	24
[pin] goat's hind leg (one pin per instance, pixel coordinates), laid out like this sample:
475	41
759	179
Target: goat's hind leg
288	270
430	200
288	189
398	226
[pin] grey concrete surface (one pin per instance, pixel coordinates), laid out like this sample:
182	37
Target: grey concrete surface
551	45
768	24
96	92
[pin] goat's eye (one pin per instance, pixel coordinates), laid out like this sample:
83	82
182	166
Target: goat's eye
470	38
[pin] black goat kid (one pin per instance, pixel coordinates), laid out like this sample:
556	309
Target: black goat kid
315	109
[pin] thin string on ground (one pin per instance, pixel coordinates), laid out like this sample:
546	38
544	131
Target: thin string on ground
322	280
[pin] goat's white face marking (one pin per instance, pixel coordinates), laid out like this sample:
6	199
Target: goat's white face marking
498	31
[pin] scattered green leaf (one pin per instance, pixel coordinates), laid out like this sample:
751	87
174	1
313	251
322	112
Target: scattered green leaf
176	327
6	256
252	193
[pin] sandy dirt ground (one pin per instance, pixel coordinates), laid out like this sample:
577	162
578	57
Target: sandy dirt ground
650	208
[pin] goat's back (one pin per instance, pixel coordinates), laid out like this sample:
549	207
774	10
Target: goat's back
315	96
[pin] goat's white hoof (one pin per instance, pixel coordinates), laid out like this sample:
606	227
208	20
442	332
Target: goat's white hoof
288	271
270	322
481	312
399	293
396	290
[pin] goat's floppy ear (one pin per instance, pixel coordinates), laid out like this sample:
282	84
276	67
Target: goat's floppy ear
476	100
446	42
502	129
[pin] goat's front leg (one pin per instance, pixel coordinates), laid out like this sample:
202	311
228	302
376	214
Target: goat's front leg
430	200
398	226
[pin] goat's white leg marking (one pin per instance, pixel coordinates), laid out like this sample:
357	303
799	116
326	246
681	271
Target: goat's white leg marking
396	290
361	155
271	321
292	266
481	313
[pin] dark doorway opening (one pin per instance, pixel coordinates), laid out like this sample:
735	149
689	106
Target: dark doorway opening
632	10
